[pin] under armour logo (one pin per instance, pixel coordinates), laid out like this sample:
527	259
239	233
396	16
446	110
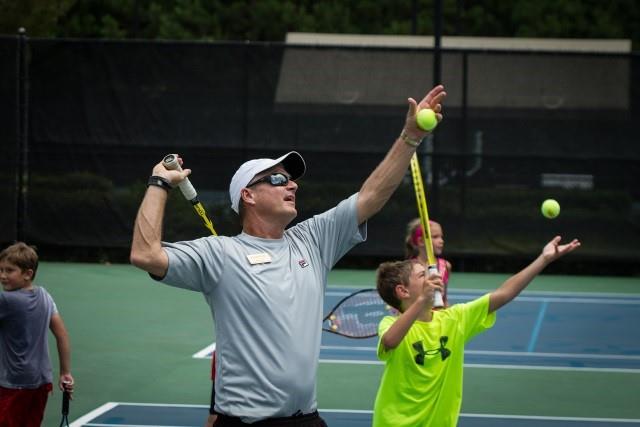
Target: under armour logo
444	352
421	353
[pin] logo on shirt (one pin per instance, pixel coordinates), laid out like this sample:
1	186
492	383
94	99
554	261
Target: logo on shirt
444	352
417	346
303	263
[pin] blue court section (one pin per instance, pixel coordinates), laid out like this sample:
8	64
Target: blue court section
139	415
589	331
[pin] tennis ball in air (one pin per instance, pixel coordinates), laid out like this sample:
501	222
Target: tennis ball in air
426	119
550	208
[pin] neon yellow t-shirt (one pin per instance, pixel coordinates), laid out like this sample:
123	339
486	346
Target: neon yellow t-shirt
428	394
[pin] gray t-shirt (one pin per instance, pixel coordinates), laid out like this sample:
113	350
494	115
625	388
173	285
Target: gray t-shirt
25	316
266	297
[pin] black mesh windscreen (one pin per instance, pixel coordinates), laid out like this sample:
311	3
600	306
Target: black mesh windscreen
8	138
519	128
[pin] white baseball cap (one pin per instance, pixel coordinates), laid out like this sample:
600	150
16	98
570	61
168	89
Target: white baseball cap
292	162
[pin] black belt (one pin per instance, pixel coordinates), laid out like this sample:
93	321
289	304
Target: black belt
270	421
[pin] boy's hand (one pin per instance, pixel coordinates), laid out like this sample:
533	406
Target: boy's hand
66	383
554	250
431	284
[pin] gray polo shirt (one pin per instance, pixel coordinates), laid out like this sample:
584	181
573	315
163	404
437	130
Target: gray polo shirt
266	297
25	316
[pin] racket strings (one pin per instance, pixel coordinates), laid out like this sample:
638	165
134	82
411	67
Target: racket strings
359	315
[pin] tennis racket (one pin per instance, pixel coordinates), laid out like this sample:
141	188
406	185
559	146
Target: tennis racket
170	162
357	315
421	200
64	422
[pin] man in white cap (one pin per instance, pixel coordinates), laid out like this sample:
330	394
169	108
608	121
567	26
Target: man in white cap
266	285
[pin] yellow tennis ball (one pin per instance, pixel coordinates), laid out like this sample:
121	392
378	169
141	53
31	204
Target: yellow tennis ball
334	327
550	208
427	119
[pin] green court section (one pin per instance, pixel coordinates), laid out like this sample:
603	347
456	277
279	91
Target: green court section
501	391
552	393
132	341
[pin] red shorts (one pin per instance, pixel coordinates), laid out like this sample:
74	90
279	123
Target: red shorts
23	407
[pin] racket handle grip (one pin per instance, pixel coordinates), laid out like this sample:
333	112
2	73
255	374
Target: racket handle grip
437	295
170	162
65	402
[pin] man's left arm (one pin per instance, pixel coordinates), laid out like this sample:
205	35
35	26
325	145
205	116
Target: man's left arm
384	180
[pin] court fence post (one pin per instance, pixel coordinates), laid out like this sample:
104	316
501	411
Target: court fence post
22	94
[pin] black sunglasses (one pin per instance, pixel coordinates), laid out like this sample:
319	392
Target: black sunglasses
276	179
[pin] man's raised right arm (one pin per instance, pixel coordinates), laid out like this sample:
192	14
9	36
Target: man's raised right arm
146	247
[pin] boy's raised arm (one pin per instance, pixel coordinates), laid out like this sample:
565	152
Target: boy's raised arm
516	283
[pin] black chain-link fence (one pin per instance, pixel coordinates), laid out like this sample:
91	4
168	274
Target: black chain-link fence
83	122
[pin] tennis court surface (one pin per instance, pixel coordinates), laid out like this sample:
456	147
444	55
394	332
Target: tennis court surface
140	414
552	359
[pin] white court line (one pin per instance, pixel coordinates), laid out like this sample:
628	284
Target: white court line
172	405
619	299
497	366
558	355
205	352
107	406
558	294
501	416
458	291
505	353
601	301
553	368
351	362
549	418
126	425
83	420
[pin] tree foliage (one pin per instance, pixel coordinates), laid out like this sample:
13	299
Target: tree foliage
270	20
38	17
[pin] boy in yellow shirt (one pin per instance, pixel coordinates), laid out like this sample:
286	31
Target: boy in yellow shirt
423	349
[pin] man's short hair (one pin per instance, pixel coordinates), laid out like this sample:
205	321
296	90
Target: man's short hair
21	255
388	276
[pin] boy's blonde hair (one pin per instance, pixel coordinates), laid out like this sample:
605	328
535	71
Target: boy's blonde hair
388	276
22	256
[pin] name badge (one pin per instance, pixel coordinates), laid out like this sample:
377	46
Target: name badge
262	258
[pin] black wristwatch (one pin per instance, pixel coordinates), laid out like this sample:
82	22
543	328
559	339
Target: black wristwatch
159	181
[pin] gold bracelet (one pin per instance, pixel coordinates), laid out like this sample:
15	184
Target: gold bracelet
408	140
